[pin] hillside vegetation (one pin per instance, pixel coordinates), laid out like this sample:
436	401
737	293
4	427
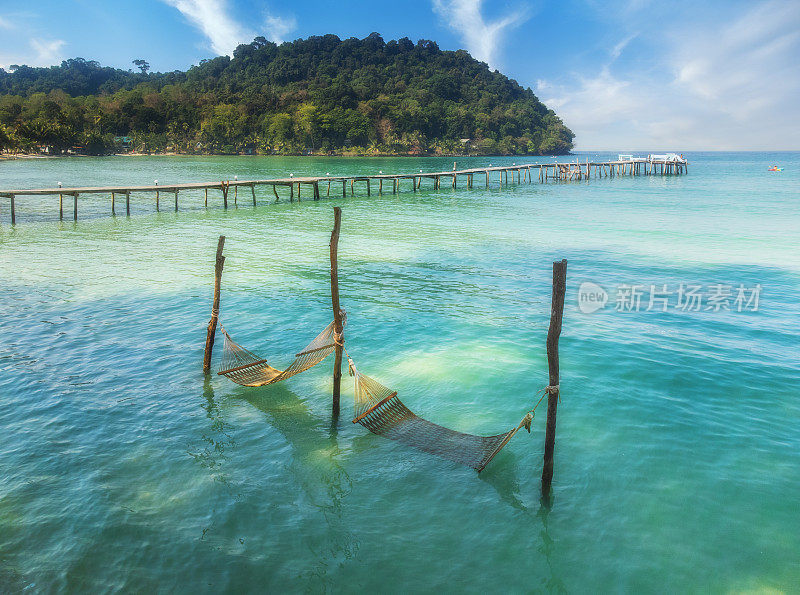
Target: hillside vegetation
320	95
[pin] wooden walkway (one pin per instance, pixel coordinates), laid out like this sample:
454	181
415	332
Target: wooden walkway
544	172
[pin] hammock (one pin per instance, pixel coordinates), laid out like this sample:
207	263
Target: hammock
378	409
246	368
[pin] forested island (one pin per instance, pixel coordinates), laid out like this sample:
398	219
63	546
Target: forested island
320	95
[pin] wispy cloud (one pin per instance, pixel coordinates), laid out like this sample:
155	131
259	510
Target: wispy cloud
617	50
5	24
47	51
41	52
483	38
278	28
214	20
725	84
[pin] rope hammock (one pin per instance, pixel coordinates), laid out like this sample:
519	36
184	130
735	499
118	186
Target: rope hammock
379	410
248	369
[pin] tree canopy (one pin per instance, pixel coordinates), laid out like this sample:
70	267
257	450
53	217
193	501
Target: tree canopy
321	94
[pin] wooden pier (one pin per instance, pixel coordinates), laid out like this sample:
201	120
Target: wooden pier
229	190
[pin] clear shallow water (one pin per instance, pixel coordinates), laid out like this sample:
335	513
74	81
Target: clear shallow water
678	450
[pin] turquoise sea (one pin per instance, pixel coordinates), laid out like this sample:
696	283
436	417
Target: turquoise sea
677	465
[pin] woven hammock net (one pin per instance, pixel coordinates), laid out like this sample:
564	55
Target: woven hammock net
246	368
378	409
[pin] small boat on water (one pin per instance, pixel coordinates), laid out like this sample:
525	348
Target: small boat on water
775	168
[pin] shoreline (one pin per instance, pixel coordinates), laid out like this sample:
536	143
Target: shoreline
335	156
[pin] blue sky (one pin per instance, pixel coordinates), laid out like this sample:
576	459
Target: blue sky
624	75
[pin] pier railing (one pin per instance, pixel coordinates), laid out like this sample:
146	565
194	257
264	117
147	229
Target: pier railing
545	172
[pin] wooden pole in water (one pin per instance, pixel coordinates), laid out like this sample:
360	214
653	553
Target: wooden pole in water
253	191
212	324
176	200
338	329
128	203
113	211
556	316
61	204
13	211
75	207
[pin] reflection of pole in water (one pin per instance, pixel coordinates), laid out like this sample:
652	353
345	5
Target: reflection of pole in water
319	474
214	440
546	548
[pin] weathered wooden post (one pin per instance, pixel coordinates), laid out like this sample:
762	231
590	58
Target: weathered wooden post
224	188
13	211
61	204
206	200
128	203
75	206
113	206
253	191
212	325
338	329
556	315
176	200
158	196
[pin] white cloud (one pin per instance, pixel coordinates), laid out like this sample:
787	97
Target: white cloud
277	28
224	33
721	84
482	38
47	51
617	50
5	24
42	52
212	18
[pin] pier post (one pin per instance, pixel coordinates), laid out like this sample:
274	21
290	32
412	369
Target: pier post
113	206
128	203
369	191
206	201
13	211
176	200
158	198
275	192
316	191
344	188
61	204
253	191
291	191
556	316
224	188
338	329
212	324
75	206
